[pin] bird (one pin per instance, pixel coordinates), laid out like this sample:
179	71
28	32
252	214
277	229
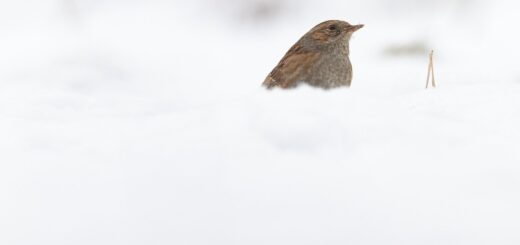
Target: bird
320	58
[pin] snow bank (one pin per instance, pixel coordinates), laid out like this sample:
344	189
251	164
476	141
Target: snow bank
145	123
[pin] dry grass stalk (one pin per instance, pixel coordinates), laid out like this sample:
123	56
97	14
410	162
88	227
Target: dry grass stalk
430	72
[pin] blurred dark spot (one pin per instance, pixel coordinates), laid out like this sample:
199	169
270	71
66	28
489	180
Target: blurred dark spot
261	10
417	48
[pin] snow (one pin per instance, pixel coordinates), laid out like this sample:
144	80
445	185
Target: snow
145	123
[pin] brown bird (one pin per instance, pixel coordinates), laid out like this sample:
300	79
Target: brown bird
319	58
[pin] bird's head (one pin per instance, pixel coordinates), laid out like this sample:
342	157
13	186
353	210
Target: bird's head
331	31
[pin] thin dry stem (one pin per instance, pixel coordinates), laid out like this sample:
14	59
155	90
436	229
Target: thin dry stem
430	71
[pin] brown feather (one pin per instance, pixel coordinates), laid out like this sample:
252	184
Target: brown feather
292	67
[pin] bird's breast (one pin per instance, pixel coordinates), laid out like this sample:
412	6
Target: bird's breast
333	69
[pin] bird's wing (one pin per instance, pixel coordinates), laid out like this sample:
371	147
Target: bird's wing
293	65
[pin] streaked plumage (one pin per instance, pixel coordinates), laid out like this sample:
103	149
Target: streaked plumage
320	58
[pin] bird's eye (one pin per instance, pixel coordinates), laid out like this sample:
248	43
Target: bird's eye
333	27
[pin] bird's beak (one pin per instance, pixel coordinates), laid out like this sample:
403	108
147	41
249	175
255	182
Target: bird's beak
355	28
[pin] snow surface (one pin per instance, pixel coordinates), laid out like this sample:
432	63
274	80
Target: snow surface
143	122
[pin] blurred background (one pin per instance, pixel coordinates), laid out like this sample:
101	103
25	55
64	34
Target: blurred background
143	122
173	39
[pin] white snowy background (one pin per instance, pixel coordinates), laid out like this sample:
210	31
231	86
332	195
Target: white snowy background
143	122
